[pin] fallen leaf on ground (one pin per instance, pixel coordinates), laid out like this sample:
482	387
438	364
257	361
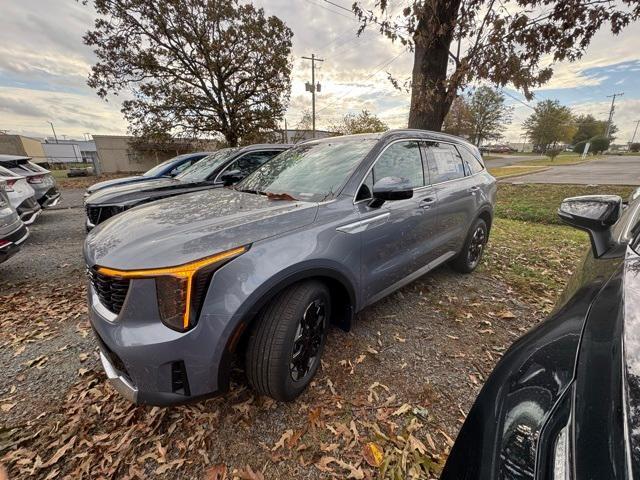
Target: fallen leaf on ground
373	454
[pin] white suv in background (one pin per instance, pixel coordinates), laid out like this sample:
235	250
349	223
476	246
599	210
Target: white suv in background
21	195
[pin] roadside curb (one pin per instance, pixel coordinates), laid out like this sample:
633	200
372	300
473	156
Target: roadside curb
514	175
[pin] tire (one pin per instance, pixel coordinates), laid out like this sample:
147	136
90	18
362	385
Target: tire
295	322
471	254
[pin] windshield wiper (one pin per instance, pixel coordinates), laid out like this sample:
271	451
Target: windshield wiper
280	196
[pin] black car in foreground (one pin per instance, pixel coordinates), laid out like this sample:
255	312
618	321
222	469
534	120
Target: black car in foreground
222	168
564	401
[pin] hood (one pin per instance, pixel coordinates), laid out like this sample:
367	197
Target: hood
134	193
116	181
185	228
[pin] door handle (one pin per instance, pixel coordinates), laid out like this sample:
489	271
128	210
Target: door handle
426	203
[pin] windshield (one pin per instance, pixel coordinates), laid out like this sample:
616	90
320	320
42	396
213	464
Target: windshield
205	167
155	171
312	171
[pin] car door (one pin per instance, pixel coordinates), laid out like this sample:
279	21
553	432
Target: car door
397	239
456	192
248	162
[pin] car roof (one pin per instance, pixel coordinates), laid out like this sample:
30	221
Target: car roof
265	146
396	133
12	158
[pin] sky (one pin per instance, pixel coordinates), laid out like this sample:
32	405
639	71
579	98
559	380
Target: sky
44	67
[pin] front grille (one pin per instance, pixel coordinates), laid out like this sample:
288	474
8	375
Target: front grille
97	215
27	206
111	291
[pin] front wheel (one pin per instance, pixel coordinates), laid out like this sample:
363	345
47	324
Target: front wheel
286	343
469	258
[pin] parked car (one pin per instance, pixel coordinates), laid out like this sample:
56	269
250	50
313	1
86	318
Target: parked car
222	168
180	286
21	196
168	168
563	401
12	230
40	179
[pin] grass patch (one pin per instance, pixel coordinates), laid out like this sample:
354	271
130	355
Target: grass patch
539	202
570	159
500	172
534	259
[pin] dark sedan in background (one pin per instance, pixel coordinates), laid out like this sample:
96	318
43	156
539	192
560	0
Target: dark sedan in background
168	168
39	178
224	167
564	401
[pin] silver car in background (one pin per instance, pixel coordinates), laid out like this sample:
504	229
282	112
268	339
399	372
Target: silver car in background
40	179
21	196
12	229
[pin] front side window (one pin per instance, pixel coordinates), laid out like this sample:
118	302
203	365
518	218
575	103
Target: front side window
401	159
313	171
208	165
445	162
249	162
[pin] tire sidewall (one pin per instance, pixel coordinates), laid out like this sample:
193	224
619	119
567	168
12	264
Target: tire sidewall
465	254
290	387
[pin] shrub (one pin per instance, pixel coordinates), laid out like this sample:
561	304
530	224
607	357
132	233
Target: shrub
599	144
579	147
634	147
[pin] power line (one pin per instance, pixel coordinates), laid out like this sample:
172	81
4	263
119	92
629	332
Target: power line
382	67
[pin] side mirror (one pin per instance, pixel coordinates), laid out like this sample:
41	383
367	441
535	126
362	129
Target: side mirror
391	188
231	177
594	214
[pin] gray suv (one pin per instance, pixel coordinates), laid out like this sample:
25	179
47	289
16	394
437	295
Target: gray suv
180	287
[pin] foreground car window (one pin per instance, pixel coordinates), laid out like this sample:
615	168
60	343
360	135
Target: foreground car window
205	167
311	171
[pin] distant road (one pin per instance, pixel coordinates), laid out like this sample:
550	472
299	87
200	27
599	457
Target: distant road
510	160
613	170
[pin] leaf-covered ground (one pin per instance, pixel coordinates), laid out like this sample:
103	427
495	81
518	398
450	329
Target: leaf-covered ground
387	402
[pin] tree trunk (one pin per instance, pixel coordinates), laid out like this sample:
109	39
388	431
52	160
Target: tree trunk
430	96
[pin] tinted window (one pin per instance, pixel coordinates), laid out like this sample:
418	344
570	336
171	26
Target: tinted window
208	165
249	162
471	163
444	162
366	189
401	159
312	171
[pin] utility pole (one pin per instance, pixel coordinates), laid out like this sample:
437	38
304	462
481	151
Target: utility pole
54	132
613	101
634	132
313	88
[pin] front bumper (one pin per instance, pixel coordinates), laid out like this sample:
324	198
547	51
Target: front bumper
147	362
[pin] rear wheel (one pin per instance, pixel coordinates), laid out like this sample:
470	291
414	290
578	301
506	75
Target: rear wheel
469	258
285	346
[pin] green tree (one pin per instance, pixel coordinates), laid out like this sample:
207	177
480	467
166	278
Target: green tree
634	147
458	121
489	115
549	124
599	144
192	67
588	127
456	42
363	122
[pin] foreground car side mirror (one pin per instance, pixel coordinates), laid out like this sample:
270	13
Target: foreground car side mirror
594	214
391	188
231	177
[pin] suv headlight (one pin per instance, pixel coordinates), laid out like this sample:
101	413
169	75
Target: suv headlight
180	289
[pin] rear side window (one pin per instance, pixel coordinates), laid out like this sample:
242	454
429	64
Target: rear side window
471	163
401	159
251	161
445	162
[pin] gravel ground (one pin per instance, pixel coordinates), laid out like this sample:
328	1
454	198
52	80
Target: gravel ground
406	373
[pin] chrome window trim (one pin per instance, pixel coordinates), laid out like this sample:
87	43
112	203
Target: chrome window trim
417	188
